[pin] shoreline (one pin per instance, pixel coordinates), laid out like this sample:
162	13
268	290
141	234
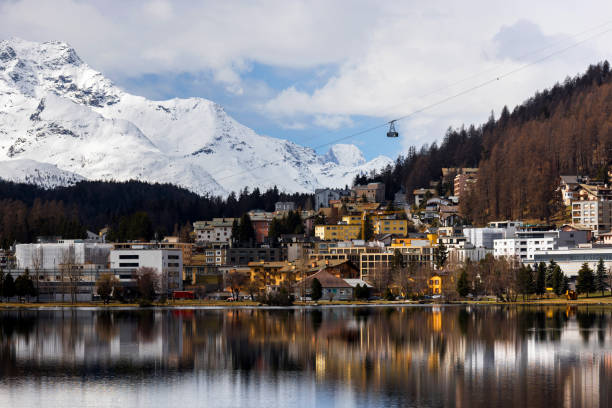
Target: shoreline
593	301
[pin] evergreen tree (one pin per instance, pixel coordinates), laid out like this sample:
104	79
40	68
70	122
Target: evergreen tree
235	238
586	280
8	288
463	285
550	270
440	255
525	283
367	230
540	282
558	281
600	277
246	233
316	290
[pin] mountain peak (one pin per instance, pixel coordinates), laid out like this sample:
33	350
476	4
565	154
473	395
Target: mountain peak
51	54
65	120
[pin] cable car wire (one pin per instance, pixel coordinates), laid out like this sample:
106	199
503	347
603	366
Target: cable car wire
434	104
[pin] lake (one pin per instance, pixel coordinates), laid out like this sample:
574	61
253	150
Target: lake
463	356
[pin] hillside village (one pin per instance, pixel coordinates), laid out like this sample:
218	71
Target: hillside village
347	244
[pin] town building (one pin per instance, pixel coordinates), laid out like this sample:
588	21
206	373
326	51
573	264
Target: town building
337	232
484	237
167	263
284	206
243	256
570	260
388	225
464	181
261	220
593	214
332	287
214	231
269	276
372	192
298	246
52	256
323	196
525	243
422	194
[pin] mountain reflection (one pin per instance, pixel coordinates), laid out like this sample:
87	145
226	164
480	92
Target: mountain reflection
428	356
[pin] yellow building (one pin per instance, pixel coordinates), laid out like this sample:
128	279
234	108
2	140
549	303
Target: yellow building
340	232
390	226
352	219
435	284
273	274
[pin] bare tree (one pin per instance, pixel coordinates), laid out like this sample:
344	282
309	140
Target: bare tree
147	282
403	278
235	281
37	265
71	273
105	285
380	277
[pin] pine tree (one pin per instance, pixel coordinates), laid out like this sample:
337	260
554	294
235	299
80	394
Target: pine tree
440	255
540	281
585	280
525	281
316	290
8	288
558	281
600	277
463	285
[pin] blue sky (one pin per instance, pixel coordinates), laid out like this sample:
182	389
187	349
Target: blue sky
316	71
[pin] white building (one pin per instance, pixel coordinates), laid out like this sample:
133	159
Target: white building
525	244
324	195
49	256
484	237
168	264
594	214
219	230
570	260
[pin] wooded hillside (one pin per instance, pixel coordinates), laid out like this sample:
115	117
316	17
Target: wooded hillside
564	130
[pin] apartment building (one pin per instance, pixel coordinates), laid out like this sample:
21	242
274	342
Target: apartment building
390	226
464	181
525	243
373	192
593	214
215	231
338	232
168	264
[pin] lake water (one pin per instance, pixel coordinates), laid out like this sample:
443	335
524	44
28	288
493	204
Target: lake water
484	356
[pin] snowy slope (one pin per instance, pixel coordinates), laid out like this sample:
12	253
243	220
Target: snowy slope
61	121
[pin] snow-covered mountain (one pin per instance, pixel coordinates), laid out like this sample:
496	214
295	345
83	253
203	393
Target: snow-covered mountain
61	121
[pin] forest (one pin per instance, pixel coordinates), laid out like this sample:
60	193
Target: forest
563	130
132	209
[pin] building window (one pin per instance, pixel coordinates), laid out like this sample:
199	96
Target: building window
128	256
128	264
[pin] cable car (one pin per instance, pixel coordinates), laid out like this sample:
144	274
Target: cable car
392	132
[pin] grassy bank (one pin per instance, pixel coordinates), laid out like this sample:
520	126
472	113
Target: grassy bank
548	301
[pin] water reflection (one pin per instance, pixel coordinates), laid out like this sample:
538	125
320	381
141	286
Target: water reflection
378	356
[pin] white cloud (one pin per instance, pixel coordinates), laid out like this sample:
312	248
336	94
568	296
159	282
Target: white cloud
376	59
332	121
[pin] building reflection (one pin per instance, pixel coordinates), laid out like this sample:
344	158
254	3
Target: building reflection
465	356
